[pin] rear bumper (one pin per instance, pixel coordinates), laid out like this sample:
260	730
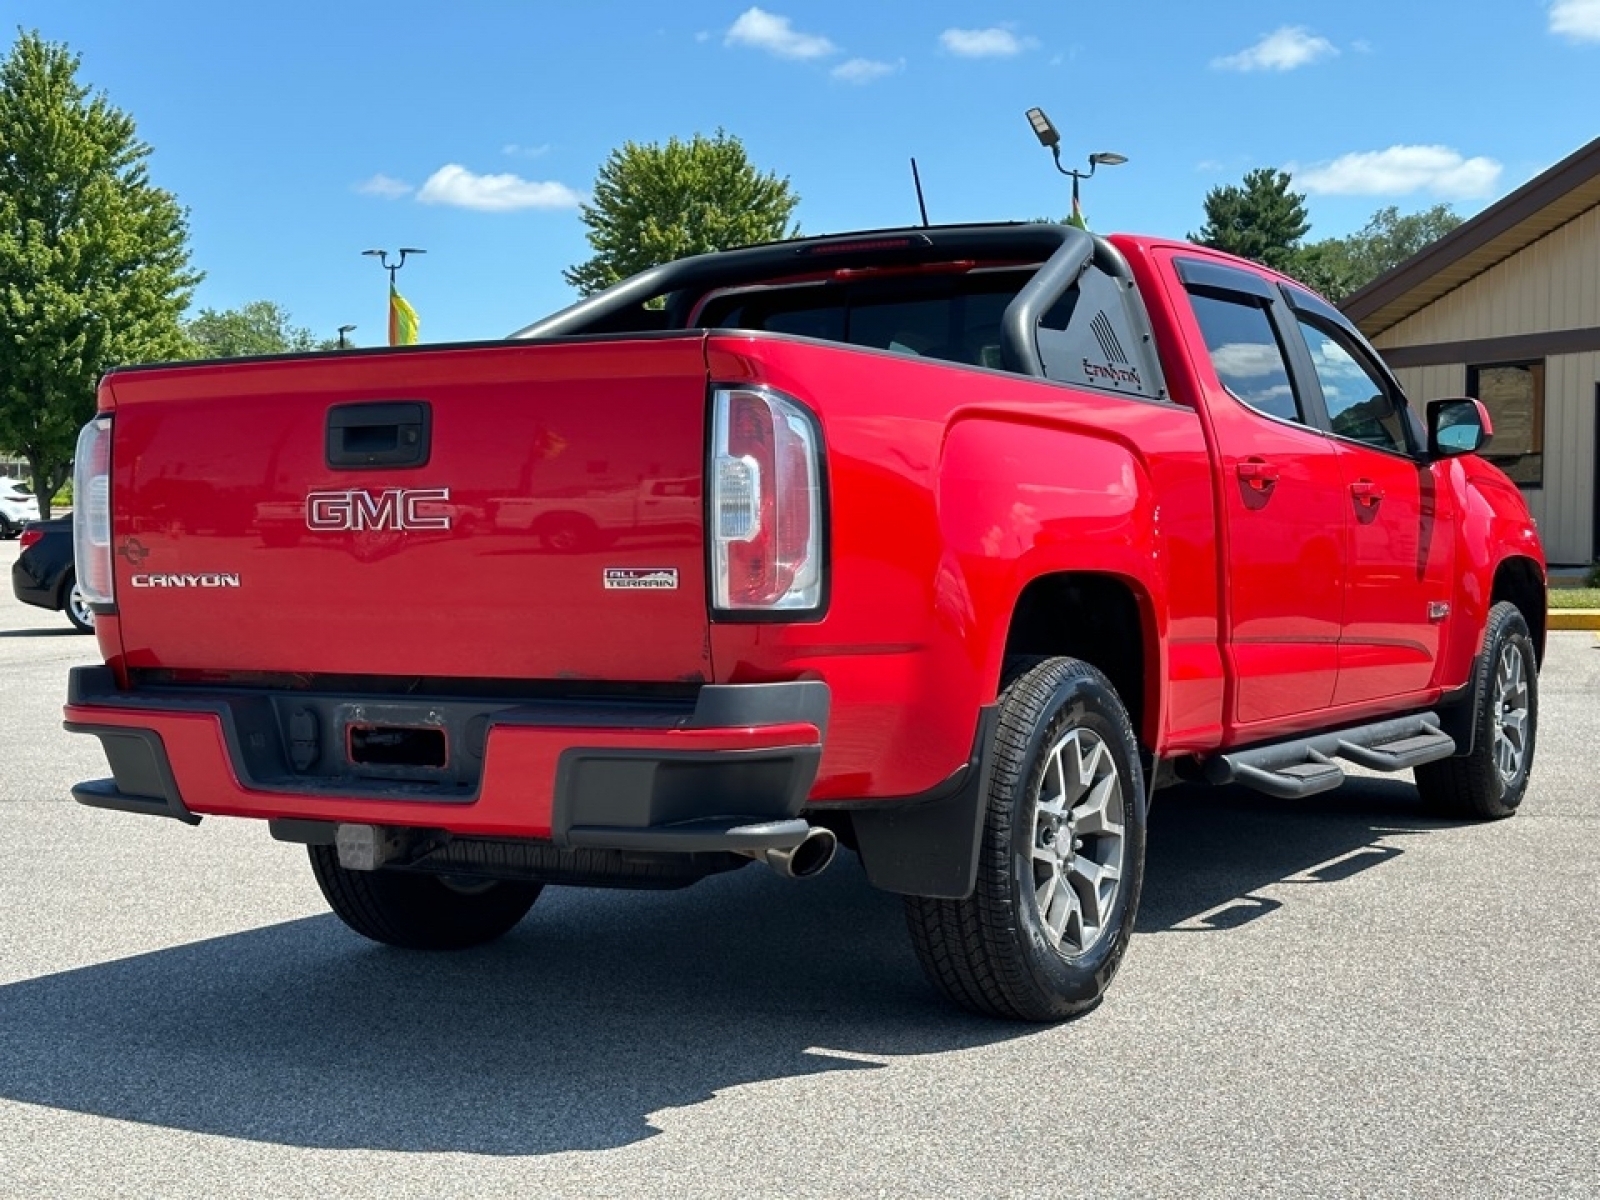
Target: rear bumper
31	589
728	770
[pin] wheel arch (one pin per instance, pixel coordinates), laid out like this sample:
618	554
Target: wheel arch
1103	619
1521	582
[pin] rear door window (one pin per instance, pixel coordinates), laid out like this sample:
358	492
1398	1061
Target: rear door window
1247	356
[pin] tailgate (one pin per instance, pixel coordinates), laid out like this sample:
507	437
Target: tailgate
550	525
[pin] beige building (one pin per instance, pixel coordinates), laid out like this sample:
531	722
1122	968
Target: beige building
1506	307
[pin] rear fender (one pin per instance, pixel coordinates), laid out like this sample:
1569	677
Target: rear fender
1020	502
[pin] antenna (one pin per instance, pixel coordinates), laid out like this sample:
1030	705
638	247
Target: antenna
921	203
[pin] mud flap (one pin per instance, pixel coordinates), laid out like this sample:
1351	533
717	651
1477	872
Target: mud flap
928	845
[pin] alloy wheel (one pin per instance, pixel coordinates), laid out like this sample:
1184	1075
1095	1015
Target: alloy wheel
1078	842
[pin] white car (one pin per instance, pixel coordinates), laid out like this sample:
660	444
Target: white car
17	505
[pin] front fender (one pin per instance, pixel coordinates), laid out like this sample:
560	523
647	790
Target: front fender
1496	527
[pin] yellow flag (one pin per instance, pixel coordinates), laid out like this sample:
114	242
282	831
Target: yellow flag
403	323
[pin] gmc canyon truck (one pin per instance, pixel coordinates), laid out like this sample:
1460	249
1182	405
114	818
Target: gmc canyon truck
951	544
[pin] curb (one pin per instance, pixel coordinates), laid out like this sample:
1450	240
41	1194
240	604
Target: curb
1573	618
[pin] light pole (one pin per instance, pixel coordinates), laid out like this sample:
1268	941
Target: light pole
383	259
344	329
1048	137
402	320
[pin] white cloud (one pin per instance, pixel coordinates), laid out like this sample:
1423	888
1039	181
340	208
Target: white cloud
996	42
458	187
1399	170
1576	20
516	150
383	185
865	70
762	30
1247	360
1281	50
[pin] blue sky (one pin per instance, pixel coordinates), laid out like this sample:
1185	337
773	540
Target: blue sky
299	134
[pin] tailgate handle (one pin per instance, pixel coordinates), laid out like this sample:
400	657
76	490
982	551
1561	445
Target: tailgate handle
386	434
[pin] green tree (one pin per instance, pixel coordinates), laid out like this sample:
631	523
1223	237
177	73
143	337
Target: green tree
94	259
655	203
1260	219
1345	265
260	327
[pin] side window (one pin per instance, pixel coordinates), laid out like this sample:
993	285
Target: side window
1246	354
1360	406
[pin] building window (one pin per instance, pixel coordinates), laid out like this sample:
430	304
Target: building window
1514	395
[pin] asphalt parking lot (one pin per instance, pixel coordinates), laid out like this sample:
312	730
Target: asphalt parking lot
1341	997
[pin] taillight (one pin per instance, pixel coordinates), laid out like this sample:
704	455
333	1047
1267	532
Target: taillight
766	503
91	512
31	536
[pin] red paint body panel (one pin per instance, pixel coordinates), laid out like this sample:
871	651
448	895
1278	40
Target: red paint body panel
1402	552
949	489
954	487
560	461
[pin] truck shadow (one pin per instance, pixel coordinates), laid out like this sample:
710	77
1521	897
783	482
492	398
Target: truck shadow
1212	851
601	1010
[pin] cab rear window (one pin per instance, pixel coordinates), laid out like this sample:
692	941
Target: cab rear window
955	319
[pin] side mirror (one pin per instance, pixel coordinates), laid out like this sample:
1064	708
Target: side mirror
1458	426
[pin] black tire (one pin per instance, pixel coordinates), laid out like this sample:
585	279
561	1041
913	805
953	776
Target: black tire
1489	783
72	603
993	952
8	529
419	911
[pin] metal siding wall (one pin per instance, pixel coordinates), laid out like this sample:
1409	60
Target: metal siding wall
1422	384
1553	284
1550	285
1569	464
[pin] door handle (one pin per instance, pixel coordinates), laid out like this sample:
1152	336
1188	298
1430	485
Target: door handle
1258	474
383	434
1367	493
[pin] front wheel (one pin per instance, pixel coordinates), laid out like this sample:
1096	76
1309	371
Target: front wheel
1062	857
1489	783
419	911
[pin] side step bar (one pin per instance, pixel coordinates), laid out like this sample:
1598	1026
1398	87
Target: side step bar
1304	766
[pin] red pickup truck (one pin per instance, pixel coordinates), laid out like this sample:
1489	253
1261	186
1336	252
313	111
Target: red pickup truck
950	544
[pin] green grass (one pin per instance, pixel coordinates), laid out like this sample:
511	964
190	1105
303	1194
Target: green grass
1564	597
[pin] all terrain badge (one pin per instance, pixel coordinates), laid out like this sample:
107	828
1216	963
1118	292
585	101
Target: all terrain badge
632	579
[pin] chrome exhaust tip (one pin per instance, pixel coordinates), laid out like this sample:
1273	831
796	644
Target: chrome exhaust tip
811	857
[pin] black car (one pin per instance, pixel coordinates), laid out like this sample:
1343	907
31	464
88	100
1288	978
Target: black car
43	574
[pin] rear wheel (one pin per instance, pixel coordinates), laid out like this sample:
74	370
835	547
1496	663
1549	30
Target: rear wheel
419	911
1062	858
76	607
1489	783
8	528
